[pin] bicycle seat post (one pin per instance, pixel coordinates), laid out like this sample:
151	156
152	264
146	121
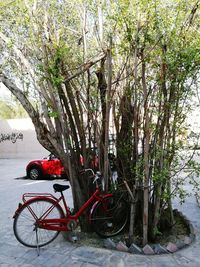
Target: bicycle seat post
64	202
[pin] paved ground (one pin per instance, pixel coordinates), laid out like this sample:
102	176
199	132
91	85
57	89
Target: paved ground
62	253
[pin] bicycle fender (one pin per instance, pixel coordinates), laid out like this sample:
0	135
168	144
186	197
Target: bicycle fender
21	205
94	206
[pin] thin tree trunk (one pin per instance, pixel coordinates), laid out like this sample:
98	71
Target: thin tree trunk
135	132
133	210
146	156
107	119
161	139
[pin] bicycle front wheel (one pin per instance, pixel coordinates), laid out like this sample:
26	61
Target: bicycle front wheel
25	225
109	217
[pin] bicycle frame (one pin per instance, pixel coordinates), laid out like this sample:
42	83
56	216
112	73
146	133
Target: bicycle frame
60	224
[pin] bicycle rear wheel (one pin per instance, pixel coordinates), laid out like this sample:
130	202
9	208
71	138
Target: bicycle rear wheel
109	217
25	225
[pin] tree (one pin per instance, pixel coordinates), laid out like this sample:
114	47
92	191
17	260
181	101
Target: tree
45	67
119	67
161	62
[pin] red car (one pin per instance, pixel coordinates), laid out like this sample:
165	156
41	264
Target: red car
47	167
52	167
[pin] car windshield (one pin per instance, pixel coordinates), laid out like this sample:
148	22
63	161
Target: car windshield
50	157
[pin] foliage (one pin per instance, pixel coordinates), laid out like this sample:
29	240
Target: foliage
11	111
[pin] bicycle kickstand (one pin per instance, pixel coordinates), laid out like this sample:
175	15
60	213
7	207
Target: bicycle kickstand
37	248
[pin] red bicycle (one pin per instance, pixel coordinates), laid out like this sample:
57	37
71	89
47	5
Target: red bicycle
41	217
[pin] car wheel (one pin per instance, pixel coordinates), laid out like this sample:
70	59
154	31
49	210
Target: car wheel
34	173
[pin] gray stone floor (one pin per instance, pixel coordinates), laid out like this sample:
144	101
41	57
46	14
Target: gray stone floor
62	253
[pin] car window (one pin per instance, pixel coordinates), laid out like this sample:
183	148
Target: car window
51	156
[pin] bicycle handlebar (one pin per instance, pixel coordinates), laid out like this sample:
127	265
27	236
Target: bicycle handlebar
86	170
96	176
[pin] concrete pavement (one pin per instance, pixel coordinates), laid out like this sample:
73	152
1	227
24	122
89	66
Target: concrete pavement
61	253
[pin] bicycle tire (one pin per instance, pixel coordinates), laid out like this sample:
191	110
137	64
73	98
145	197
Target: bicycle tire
24	225
110	217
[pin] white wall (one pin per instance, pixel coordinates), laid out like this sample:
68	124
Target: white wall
18	140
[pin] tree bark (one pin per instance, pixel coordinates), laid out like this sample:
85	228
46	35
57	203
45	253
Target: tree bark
107	118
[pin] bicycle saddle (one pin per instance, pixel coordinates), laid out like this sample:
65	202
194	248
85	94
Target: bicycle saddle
60	188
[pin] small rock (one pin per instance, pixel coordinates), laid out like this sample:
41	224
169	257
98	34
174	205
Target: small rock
148	250
181	237
187	240
192	236
74	238
158	249
171	247
180	244
198	200
71	237
109	244
122	247
192	230
134	249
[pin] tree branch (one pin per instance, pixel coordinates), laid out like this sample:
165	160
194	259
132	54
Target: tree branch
87	65
19	95
44	136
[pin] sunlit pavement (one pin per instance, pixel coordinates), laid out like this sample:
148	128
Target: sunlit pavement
62	253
